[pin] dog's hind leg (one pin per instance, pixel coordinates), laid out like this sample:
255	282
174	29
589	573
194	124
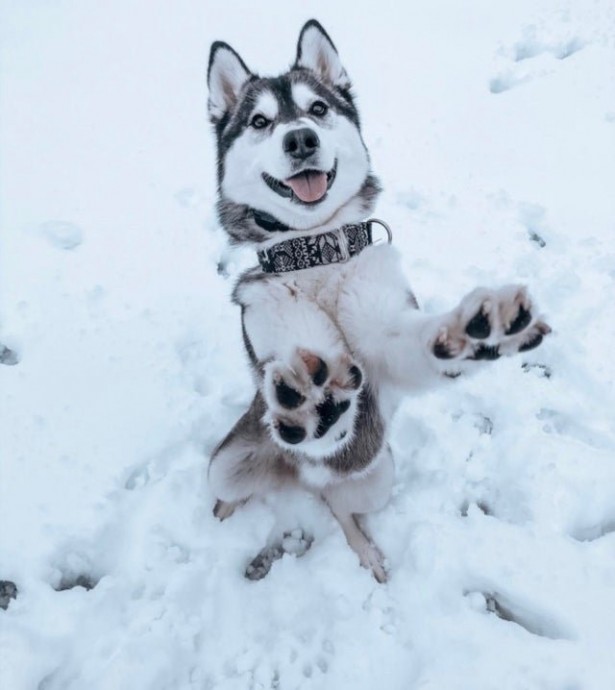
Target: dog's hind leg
296	542
224	509
246	462
365	494
369	554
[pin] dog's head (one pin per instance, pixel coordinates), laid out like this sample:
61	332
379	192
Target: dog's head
290	152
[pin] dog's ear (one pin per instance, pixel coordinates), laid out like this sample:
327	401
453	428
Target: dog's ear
316	51
226	75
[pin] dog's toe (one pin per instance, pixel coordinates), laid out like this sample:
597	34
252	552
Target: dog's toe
291	433
534	336
286	395
521	321
479	326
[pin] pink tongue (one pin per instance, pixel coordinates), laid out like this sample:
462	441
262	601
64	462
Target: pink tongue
309	185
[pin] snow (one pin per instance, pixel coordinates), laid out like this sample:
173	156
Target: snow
121	364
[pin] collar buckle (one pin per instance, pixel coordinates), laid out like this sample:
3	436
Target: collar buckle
386	226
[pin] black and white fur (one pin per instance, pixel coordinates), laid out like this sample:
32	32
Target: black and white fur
333	348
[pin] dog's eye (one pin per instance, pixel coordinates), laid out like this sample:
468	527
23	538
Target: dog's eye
319	109
259	122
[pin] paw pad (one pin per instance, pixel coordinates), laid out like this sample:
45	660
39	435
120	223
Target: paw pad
291	433
521	321
329	411
487	352
479	326
317	367
356	377
287	396
307	396
532	343
447	346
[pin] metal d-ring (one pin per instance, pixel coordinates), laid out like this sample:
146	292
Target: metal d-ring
385	226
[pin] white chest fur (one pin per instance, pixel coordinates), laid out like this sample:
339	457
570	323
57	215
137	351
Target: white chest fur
365	289
355	306
316	475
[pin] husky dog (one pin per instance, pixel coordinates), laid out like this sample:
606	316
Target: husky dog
331	328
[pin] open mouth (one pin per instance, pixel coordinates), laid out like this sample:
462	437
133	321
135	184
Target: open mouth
306	187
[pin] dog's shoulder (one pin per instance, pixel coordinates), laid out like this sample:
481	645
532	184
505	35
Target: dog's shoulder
250	285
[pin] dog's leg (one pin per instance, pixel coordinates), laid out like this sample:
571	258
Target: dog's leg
369	554
364	494
246	462
296	543
410	350
224	509
419	350
307	376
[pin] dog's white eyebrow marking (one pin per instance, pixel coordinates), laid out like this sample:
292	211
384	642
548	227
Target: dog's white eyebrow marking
267	105
303	95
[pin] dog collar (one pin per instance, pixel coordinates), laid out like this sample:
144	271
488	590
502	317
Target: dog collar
331	247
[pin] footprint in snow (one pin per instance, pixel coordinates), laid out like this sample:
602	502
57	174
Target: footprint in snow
306	661
62	234
535	55
533	618
8	591
592	531
8	357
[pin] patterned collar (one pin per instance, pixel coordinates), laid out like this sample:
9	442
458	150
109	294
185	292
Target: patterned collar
332	247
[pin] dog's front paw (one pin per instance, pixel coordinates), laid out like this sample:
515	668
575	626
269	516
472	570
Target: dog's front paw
488	324
312	400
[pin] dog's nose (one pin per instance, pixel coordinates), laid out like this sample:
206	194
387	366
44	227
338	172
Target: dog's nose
301	143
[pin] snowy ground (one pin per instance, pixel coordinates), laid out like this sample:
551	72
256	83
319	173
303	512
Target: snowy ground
492	126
